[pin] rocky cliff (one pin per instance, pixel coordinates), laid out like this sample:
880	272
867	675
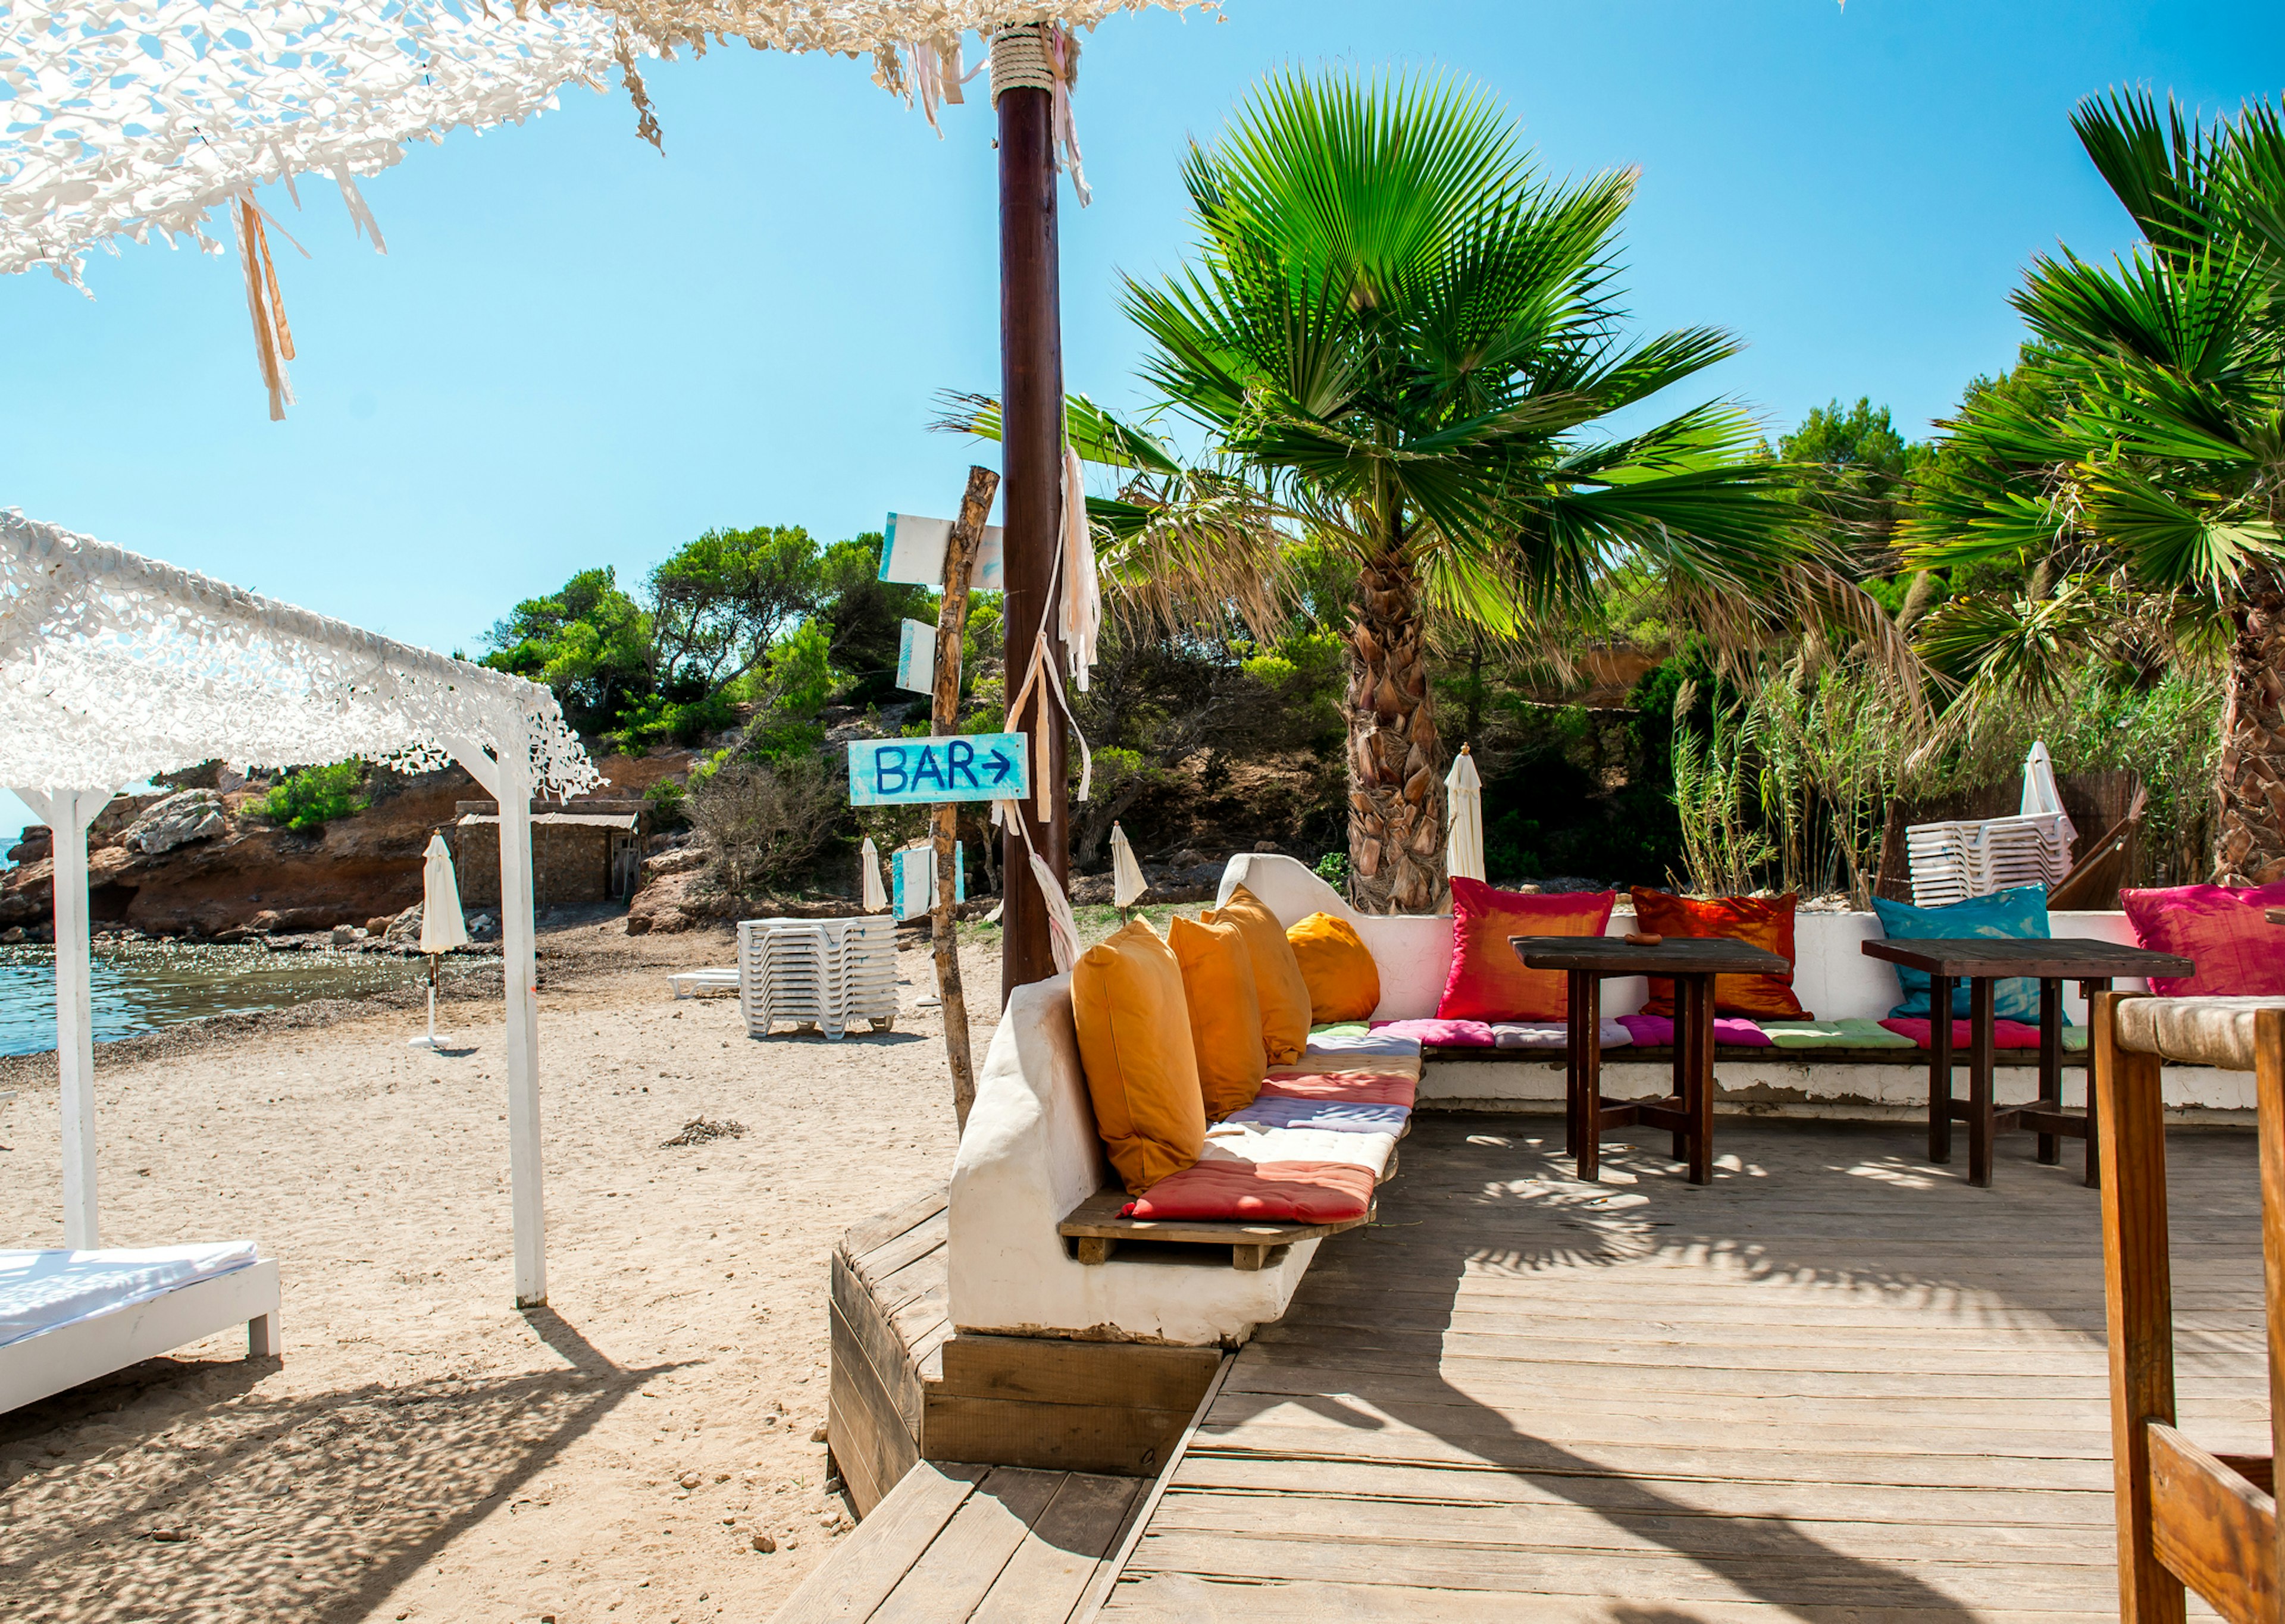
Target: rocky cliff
201	860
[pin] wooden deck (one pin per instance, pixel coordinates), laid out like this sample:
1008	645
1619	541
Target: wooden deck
1834	1384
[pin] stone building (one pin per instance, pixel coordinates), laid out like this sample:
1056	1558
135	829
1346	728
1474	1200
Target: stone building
589	852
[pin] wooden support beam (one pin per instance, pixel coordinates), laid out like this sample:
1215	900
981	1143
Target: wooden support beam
944	819
1031	413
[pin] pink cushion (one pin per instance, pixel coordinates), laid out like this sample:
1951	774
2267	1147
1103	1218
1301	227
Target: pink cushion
1263	1192
2005	1034
1449	1034
1657	1031
2221	929
1357	1087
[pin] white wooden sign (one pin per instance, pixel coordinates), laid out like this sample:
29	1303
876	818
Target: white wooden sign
913	874
916	657
913	554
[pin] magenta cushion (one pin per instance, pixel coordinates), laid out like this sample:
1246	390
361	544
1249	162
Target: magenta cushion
1451	1034
2005	1034
1657	1031
2221	929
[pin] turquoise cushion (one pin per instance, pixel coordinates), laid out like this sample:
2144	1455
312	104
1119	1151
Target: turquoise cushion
2019	911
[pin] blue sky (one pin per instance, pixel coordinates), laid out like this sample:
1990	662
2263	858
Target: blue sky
577	352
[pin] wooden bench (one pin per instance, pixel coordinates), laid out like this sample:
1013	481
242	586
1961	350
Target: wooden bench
1095	1224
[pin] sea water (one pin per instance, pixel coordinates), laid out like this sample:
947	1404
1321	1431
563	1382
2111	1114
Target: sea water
140	986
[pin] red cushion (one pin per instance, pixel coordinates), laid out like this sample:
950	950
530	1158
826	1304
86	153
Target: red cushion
1763	921
1488	981
1263	1192
2005	1034
1358	1087
2222	930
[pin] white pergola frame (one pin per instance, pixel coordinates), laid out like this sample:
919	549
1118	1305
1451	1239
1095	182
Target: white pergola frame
115	667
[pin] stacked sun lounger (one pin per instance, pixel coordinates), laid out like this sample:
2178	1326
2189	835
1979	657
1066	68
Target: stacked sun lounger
1951	862
826	973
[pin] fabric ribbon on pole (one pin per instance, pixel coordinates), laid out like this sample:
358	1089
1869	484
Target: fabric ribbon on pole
1063	924
273	340
1041	56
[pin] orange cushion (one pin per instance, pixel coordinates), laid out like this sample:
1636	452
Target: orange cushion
1134	1044
1765	922
1277	983
1488	981
1225	1016
1337	967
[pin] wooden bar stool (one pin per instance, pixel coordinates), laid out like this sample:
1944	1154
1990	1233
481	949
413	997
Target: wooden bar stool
2185	1517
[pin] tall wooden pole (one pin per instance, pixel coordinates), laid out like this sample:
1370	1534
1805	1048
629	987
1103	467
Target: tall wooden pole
1032	397
944	818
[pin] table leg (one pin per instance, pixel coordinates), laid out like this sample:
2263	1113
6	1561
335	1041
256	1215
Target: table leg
1701	1106
1586	1036
1939	1068
2051	1063
1980	1002
2090	991
1685	1061
1573	1059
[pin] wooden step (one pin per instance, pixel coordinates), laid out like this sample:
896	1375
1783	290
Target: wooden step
953	1542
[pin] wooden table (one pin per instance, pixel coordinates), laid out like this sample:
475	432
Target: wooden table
1982	961
1688	1113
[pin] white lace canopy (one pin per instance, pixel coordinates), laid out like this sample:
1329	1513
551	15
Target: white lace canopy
133	118
115	667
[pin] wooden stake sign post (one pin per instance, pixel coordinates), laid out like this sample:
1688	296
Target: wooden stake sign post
951	620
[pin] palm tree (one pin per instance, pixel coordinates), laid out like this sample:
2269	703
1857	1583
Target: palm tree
1405	338
2143	481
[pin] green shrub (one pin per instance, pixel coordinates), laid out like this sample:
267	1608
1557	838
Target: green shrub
315	796
1334	869
664	799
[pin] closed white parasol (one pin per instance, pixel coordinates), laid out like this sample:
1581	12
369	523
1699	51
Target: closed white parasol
442	928
1126	882
1463	795
869	859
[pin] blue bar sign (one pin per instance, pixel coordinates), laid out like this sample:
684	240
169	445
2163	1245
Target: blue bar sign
985	766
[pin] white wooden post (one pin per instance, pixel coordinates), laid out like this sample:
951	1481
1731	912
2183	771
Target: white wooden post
67	812
508	778
526	1179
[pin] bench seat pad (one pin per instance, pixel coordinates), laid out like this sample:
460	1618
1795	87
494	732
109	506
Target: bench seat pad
2204	1032
1657	1031
1377	1045
1296	1192
1554	1036
1328	1065
1359	1088
1245	1143
1445	1034
1855	1032
1338	1115
2005	1034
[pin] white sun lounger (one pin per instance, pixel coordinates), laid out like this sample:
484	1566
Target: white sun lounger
697	983
67	1317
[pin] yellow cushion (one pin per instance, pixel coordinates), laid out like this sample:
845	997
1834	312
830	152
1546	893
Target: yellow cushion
1277	983
1134	1043
1337	967
1225	1014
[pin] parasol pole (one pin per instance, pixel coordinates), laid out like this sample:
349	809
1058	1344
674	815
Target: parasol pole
1032	397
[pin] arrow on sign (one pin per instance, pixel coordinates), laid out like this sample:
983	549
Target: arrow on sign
1001	767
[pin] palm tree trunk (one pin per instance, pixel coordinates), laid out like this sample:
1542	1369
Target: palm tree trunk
2250	832
1396	800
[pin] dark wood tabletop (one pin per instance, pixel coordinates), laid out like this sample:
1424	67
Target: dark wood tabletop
1677	955
2277	916
2068	958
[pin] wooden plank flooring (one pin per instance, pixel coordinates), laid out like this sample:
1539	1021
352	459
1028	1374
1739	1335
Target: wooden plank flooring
950	1543
1836	1383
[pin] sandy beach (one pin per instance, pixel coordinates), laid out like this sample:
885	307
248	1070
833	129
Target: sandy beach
423	1451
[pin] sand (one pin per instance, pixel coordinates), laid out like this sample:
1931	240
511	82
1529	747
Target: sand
423	1451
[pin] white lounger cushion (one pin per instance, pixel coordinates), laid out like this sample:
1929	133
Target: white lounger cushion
1375	1044
1245	1142
40	1291
2204	1032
